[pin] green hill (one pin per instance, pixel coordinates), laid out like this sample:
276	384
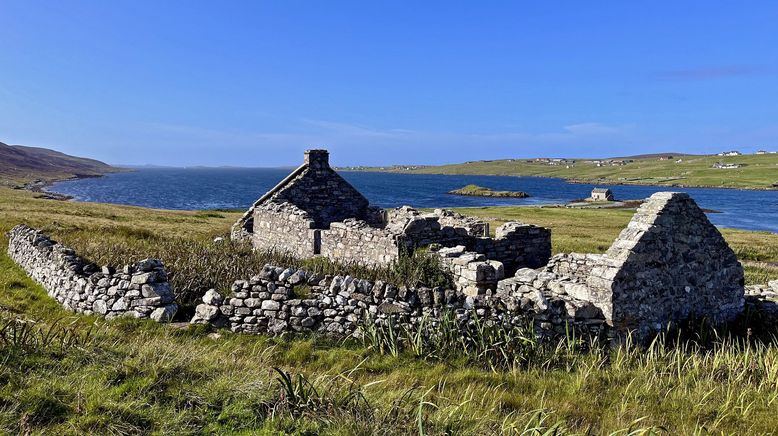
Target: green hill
753	171
20	164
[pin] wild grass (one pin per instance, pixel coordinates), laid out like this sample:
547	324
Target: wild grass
135	377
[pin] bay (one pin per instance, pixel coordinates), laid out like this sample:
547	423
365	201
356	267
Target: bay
238	188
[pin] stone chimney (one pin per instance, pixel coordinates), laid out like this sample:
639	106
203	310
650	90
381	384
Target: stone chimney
318	159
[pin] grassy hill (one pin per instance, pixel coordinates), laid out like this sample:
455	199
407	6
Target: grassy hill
20	164
65	373
754	171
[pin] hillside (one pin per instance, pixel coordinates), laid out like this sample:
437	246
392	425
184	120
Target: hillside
753	171
20	164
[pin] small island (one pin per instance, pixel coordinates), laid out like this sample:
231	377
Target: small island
480	191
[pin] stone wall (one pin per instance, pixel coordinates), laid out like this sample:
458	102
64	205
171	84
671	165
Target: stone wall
355	241
670	263
280	300
322	192
140	291
285	228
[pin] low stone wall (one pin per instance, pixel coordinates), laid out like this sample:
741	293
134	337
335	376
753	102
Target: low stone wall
141	290
285	300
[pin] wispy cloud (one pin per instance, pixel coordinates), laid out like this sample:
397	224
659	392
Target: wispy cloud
353	143
715	72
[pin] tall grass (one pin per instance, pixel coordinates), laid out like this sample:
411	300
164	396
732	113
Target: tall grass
195	265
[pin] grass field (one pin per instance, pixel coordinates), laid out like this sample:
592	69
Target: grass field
62	373
755	171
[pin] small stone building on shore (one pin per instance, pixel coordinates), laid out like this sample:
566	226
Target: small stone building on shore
602	194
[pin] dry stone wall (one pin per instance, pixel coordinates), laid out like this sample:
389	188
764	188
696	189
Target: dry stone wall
670	263
280	300
140	291
284	228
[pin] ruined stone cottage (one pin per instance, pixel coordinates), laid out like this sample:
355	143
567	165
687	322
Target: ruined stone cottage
315	212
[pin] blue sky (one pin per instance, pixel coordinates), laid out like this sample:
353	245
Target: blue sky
255	83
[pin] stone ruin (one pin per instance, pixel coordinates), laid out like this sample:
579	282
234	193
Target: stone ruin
668	265
315	212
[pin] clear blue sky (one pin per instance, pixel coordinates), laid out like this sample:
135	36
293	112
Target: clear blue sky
255	83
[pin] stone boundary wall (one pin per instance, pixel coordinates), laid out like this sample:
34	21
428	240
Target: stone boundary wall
140	291
280	300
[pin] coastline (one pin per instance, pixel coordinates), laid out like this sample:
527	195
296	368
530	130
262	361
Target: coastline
41	186
581	181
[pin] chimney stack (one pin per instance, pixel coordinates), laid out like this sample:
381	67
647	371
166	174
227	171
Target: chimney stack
318	159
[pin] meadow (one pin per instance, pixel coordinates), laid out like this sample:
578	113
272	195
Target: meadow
73	374
754	171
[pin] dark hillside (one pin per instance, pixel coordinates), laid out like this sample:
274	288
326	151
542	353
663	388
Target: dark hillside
21	164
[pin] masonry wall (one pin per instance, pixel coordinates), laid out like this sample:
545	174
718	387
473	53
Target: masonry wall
322	192
140	291
670	263
356	242
516	245
284	228
280	300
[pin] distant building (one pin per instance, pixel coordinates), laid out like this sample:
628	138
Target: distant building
761	152
665	157
730	153
722	166
602	194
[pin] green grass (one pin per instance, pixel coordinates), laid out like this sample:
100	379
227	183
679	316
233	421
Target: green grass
136	377
756	171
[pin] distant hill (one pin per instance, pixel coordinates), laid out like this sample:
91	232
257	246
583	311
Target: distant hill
20	164
681	170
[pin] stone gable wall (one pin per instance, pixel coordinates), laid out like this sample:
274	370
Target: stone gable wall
668	264
140	291
323	194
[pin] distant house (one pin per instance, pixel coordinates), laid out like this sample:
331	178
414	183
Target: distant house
761	152
602	194
730	153
665	157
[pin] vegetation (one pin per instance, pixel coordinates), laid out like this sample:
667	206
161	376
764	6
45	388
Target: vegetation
755	171
74	374
480	191
22	165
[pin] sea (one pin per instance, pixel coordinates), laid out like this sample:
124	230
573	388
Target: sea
238	188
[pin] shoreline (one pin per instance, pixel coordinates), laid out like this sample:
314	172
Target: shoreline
579	181
40	186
